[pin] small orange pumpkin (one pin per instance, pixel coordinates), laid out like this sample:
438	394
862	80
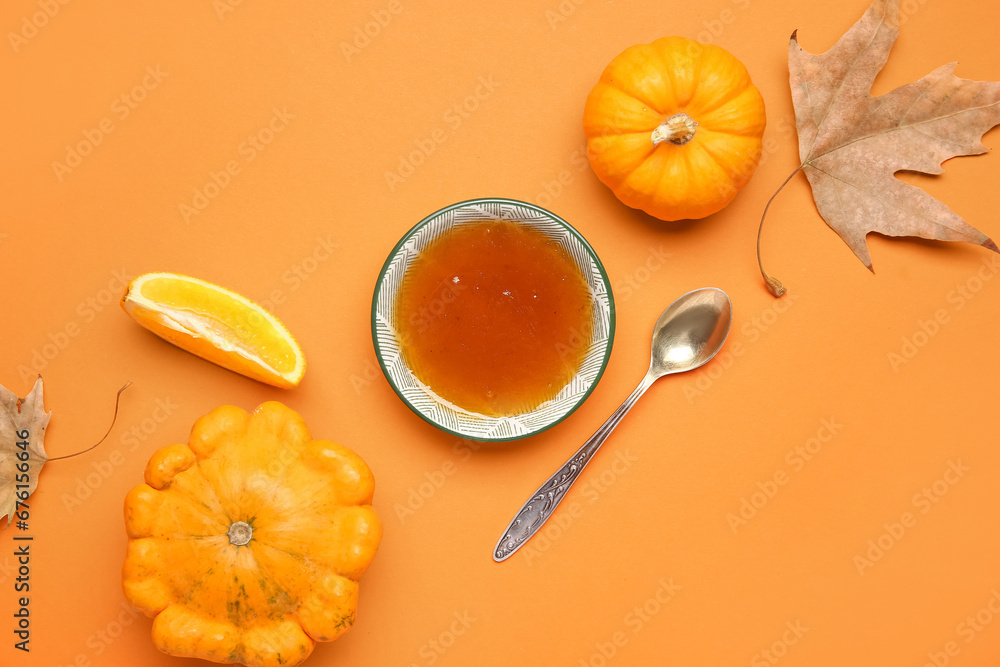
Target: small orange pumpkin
247	543
674	128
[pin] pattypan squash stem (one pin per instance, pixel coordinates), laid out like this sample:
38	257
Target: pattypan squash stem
240	533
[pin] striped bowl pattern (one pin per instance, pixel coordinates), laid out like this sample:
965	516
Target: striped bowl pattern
419	397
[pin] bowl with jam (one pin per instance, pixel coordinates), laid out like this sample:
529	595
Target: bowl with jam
493	319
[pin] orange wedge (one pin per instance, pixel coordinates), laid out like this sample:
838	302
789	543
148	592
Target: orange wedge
216	324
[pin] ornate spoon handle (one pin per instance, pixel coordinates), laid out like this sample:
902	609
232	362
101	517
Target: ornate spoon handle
543	502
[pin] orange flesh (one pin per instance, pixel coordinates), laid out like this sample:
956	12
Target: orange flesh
229	320
494	317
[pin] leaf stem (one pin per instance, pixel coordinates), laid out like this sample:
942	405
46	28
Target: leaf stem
774	285
114	418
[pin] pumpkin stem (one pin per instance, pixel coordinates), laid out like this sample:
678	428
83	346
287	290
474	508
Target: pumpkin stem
774	285
678	129
240	533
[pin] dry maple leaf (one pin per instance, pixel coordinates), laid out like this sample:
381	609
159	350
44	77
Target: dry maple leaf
851	144
22	454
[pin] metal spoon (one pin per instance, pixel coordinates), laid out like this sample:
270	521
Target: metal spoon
688	334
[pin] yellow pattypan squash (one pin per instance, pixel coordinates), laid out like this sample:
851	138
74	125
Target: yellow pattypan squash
674	128
247	543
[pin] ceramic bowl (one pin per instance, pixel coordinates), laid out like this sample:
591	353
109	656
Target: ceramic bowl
428	405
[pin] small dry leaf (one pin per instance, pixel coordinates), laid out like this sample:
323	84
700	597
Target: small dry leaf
22	453
851	143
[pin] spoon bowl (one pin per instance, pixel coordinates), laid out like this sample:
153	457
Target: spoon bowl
690	331
687	335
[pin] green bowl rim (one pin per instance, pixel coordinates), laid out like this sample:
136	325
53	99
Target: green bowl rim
503	200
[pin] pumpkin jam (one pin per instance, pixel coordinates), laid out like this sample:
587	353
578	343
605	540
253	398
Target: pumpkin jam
494	317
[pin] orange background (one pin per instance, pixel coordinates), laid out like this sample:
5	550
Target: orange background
654	507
